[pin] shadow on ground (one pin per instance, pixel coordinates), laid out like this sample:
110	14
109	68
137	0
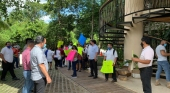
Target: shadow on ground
11	86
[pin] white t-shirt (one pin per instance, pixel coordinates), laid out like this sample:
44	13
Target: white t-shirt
109	55
147	54
57	55
50	55
158	53
8	54
69	47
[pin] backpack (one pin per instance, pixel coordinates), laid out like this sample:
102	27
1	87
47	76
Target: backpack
113	51
46	52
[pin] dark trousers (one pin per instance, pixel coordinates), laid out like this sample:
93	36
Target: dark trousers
39	85
93	67
63	60
7	67
113	74
74	68
16	60
56	62
84	64
69	64
60	63
146	74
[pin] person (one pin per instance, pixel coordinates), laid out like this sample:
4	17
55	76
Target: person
79	61
50	54
26	41
70	45
16	56
7	62
57	58
145	64
74	62
92	56
62	62
39	66
111	54
28	85
163	63
85	59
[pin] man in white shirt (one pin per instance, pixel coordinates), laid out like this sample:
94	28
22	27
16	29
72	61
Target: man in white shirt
7	62
111	54
162	63
92	56
145	64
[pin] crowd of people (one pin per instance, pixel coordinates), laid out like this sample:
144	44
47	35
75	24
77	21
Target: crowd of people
37	59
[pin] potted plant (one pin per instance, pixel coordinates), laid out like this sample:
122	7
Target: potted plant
136	71
122	70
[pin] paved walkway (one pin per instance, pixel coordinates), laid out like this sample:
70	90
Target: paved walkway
60	84
95	85
63	83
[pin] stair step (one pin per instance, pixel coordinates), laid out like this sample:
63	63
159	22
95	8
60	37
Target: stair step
116	28
162	74
138	19
129	24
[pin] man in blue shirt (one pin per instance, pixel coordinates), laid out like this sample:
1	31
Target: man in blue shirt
92	56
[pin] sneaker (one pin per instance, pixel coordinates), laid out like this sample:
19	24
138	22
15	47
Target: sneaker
74	76
168	85
90	76
3	79
114	81
15	78
157	83
95	77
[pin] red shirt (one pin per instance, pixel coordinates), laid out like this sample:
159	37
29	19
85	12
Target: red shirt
62	52
16	52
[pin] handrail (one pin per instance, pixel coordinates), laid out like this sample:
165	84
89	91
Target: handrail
106	3
117	7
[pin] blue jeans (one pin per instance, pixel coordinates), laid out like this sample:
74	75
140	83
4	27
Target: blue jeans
163	65
74	68
28	85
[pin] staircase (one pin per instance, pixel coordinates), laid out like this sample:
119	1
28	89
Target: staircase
113	27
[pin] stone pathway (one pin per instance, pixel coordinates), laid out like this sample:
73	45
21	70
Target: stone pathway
63	83
95	85
60	84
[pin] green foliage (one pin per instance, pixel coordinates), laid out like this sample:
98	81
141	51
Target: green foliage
121	64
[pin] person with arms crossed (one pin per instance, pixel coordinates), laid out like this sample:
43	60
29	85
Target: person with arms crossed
7	61
39	66
28	85
92	56
145	64
162	62
111	54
